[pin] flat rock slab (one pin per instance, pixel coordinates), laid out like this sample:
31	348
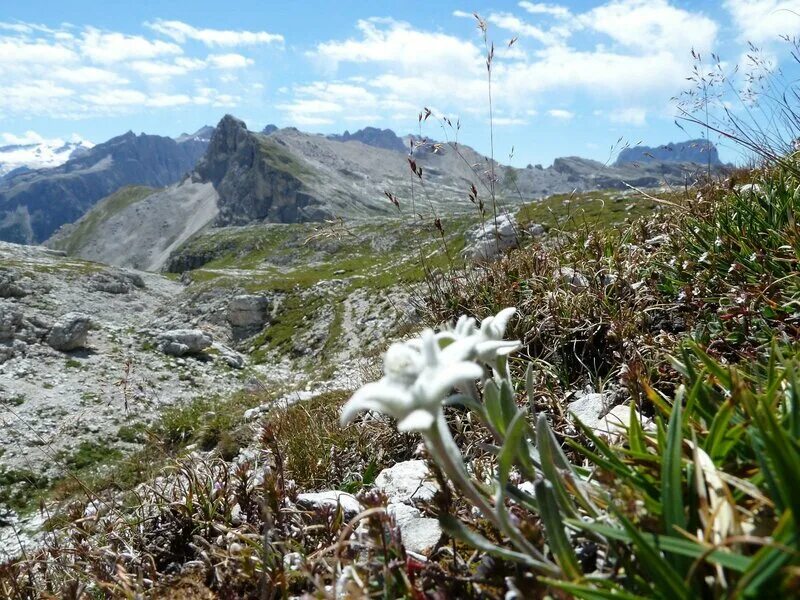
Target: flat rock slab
409	481
330	499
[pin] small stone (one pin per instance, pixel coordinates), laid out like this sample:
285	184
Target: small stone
420	534
331	498
572	278
408	481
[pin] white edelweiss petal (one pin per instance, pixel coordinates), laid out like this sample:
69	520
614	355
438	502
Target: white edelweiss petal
430	348
501	320
434	385
465	326
417	420
490	349
382	396
457	351
402	363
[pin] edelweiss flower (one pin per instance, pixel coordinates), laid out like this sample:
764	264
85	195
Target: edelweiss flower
418	374
490	343
488	339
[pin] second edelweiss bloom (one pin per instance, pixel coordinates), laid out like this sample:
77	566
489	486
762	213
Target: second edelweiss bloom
488	339
418	374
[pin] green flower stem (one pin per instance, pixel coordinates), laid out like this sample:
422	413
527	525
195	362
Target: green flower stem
443	448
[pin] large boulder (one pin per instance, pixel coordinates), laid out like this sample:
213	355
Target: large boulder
247	313
489	240
10	286
10	321
116	283
180	342
70	332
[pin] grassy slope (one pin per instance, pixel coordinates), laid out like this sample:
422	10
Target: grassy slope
292	259
601	208
85	228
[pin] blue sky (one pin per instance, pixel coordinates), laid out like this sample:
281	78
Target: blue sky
579	76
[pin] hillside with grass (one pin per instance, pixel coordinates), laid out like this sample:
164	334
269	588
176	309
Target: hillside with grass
653	381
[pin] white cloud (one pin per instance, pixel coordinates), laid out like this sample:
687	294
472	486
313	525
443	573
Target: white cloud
116	97
19	52
111	47
628	116
561	114
517	26
32	97
29	137
398	44
762	21
181	32
228	61
88	75
652	25
32	137
78	72
553	10
631	53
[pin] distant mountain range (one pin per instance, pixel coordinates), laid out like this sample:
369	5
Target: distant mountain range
287	176
34	203
699	151
229	175
18	158
372	136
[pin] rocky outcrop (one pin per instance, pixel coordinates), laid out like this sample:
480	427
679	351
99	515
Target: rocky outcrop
372	136
489	240
69	332
180	342
247	314
699	151
34	204
11	285
117	283
257	179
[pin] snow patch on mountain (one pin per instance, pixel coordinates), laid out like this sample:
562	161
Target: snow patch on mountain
32	151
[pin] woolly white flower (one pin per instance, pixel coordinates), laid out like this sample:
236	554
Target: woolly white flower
418	374
488	339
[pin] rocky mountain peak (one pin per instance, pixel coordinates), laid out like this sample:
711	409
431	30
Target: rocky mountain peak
698	151
230	137
373	136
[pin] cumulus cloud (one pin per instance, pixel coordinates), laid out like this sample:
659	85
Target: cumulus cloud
399	44
16	51
181	32
88	76
647	25
549	36
629	53
561	114
229	61
553	10
763	21
112	47
84	71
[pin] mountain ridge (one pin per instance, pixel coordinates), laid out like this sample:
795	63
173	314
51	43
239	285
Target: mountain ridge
288	176
34	204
